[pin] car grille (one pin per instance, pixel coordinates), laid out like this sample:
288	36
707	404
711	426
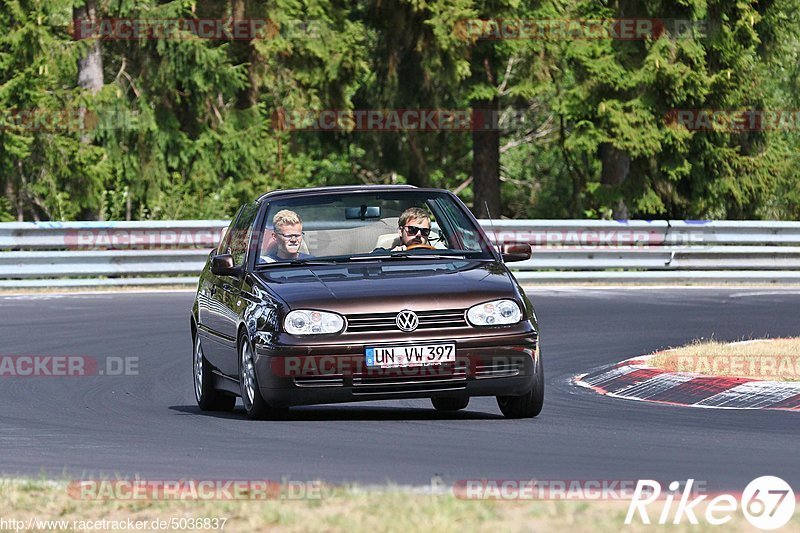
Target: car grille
368	385
455	379
504	369
330	380
446	318
415	378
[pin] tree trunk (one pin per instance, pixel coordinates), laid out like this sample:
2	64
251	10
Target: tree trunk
90	78
616	168
485	136
90	67
243	51
486	161
13	199
418	174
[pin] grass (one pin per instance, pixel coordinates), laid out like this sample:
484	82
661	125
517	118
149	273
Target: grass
764	359
342	509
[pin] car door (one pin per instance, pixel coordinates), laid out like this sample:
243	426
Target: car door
209	305
229	290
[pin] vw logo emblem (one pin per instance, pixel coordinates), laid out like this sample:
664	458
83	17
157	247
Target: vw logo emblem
407	320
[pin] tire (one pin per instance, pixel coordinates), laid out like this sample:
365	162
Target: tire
254	404
450	404
208	398
530	404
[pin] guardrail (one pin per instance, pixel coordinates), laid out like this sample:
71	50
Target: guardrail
173	252
654	251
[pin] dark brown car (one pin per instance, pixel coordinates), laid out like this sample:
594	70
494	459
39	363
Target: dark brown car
343	294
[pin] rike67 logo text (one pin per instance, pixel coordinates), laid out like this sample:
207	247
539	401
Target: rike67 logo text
767	502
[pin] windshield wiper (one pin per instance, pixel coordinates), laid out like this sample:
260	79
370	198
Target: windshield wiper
358	258
297	262
403	255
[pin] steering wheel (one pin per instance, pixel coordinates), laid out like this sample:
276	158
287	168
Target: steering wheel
420	246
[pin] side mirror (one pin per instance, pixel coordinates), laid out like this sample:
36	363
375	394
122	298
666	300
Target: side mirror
222	265
516	252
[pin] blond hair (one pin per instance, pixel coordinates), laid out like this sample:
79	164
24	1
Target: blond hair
286	217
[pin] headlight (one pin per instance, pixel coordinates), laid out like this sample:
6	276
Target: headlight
494	313
305	322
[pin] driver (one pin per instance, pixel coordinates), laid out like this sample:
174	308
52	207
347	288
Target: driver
288	235
415	227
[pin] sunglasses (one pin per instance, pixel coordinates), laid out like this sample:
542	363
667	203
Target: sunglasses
290	235
413	230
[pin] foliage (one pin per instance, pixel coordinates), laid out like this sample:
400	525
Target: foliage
188	127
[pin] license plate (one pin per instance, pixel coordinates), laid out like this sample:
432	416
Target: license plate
413	355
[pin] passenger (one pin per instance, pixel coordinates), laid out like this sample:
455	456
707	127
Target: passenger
414	230
288	235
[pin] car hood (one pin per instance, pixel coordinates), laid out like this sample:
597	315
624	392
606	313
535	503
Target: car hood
390	286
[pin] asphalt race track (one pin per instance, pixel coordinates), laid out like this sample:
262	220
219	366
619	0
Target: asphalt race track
148	424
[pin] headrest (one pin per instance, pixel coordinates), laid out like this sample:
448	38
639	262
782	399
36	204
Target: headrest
388	241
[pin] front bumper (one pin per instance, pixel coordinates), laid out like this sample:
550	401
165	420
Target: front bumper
486	365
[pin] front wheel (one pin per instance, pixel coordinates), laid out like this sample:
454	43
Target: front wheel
254	404
208	398
529	404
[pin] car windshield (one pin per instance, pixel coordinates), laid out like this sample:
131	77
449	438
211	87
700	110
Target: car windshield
365	226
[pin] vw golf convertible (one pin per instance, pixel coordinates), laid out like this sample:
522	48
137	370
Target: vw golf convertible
346	294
